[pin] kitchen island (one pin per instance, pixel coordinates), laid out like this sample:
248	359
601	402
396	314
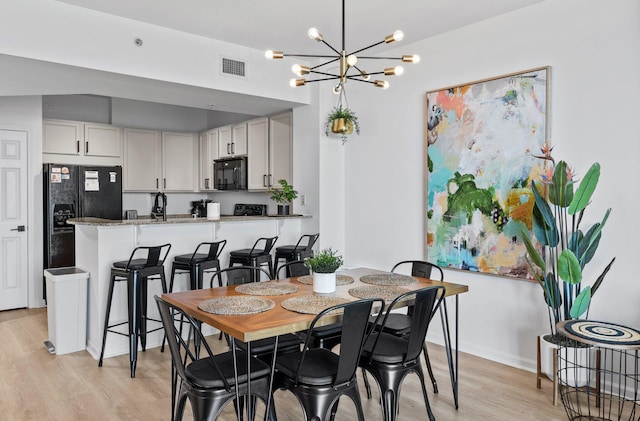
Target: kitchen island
100	242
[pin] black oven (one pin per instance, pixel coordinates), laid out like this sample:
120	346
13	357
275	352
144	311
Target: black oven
230	174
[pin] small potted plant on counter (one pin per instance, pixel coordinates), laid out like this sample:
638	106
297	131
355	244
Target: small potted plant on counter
283	196
324	266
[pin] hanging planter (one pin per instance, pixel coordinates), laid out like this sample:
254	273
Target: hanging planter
343	122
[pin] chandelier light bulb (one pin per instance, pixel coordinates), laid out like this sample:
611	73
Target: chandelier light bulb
365	75
352	60
411	58
297	82
271	55
381	84
300	70
314	34
396	36
391	71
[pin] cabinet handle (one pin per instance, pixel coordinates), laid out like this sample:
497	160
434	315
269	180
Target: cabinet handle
233	149
157	183
164	183
264	180
206	183
77	146
86	148
228	150
270	180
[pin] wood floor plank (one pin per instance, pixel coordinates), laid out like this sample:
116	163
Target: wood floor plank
35	385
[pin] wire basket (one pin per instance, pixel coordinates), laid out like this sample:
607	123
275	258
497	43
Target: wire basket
599	371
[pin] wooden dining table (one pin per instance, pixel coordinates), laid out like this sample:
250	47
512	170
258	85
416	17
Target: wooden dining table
279	321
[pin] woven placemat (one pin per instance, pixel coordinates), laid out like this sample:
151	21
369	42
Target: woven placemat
387	293
393	279
267	288
311	304
340	280
237	305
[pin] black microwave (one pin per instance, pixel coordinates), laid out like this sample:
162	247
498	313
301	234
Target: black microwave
230	174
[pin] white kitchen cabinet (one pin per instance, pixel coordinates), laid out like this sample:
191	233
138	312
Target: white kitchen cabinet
232	140
142	160
269	142
159	161
81	143
208	153
179	163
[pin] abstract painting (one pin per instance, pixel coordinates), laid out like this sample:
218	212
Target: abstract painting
481	140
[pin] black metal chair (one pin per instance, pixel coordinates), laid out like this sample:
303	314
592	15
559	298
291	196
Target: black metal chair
302	249
292	268
258	255
319	377
390	358
208	380
197	263
136	272
237	275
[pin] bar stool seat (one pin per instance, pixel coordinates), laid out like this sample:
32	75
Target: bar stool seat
197	263
301	250
136	272
258	255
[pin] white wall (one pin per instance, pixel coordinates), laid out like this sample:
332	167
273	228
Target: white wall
595	63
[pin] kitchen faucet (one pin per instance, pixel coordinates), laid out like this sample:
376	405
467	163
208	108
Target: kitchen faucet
158	210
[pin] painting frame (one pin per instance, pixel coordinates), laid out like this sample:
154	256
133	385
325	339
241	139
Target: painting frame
481	142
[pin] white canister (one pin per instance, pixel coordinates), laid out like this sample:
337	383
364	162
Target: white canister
324	283
213	210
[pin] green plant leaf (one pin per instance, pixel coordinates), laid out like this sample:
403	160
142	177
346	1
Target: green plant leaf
569	267
581	303
552	291
561	189
598	281
531	250
587	186
544	224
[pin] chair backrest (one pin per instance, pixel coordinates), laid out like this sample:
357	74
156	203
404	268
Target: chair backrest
294	268
422	269
425	302
215	249
155	255
355	330
238	275
182	349
310	242
269	242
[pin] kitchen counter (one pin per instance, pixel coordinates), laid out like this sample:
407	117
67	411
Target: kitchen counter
177	219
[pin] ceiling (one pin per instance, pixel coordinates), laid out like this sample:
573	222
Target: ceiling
283	24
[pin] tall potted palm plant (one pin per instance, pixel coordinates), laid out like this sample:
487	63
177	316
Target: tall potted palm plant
558	250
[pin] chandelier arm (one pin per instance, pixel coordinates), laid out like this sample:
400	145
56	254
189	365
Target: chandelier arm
325	63
379	58
308	55
330	46
358	79
366	48
319	80
324	73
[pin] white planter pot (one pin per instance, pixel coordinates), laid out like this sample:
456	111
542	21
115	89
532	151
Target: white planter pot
324	283
573	363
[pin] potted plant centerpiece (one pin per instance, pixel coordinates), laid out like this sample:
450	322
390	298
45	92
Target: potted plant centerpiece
342	121
324	266
283	196
558	250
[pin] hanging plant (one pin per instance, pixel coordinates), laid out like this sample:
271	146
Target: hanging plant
343	122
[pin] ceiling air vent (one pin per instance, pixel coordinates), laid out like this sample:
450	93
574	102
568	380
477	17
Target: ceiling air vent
233	67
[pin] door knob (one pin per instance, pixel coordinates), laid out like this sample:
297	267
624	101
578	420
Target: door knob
20	228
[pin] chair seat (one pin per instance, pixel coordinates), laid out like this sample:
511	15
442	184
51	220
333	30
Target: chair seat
264	346
135	264
398	324
187	258
390	349
318	369
203	373
247	253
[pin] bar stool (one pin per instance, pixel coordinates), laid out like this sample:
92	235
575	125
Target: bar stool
255	256
197	263
136	272
300	251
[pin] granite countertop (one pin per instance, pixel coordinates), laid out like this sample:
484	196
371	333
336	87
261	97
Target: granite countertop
176	219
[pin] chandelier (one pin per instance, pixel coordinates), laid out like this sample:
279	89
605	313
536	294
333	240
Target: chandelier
348	62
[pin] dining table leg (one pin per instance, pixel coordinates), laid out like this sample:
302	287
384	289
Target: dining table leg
453	364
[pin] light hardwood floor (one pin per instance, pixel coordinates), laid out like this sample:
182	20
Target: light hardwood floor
35	385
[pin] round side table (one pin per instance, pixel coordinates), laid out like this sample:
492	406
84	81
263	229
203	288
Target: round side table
599	370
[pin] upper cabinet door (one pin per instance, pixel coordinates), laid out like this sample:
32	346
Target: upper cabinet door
281	148
142	152
258	152
239	139
179	165
102	140
225	139
62	137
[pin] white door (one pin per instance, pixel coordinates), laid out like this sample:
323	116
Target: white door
13	219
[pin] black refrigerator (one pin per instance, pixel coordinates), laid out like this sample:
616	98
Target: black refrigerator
72	191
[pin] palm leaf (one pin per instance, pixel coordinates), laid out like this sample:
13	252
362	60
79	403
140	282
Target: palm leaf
569	267
544	224
583	195
532	251
581	303
598	281
561	190
551	290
